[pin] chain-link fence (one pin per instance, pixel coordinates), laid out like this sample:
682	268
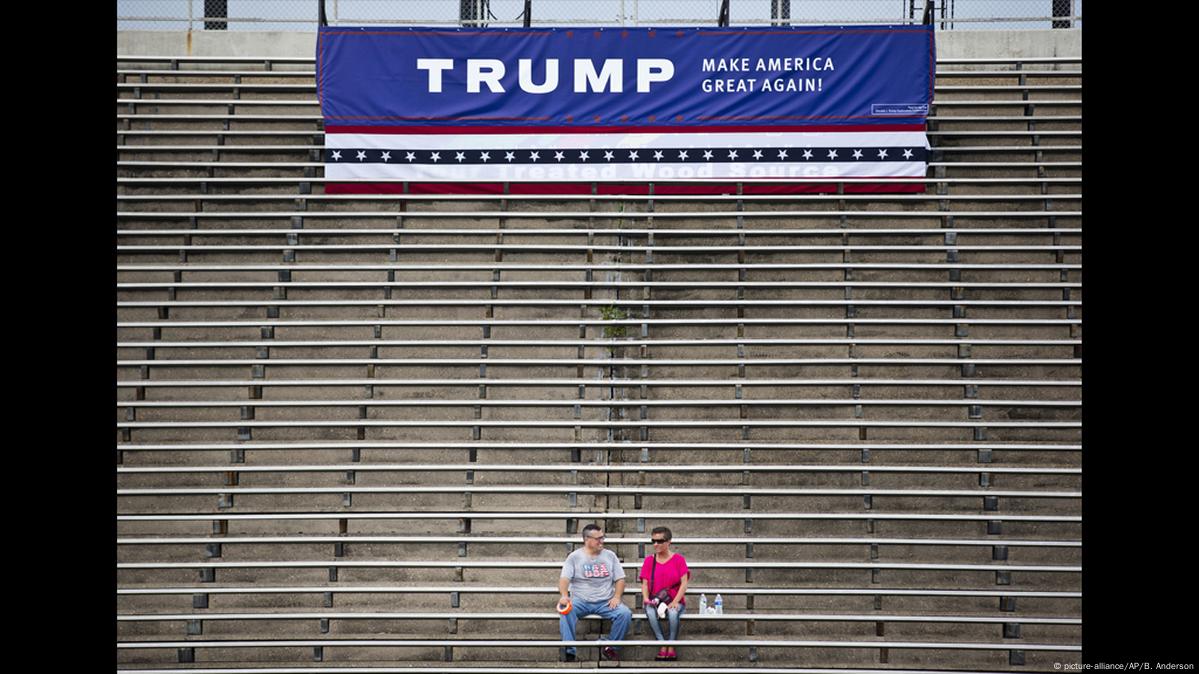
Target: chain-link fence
301	15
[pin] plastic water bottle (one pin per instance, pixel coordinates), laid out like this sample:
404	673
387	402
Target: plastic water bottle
719	605
703	604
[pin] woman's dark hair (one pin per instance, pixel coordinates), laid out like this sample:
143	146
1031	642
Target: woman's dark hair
661	530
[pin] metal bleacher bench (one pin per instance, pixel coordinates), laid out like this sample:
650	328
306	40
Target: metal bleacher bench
831	405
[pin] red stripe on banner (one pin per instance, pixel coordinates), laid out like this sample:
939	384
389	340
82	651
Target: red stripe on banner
599	32
805	32
442	33
621	188
433	130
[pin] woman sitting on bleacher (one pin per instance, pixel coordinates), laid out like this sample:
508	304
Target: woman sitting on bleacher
665	576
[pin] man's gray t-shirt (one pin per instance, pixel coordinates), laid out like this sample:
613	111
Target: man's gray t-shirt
592	579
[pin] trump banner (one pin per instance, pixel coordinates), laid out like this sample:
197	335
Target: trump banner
550	110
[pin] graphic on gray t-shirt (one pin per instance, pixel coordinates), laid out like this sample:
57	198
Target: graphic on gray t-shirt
592	579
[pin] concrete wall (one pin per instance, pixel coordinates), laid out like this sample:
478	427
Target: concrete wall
215	43
1009	43
950	44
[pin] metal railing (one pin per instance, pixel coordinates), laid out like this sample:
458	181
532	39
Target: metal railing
303	15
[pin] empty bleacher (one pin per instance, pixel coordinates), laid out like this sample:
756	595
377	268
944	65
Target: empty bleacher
365	430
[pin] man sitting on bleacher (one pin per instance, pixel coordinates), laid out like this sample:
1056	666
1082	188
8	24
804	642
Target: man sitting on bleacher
596	582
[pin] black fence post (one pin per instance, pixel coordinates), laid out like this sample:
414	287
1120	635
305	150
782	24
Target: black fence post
217	9
780	12
473	12
1062	9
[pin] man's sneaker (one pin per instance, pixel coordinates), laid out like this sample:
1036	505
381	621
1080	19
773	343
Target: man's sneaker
567	656
610	653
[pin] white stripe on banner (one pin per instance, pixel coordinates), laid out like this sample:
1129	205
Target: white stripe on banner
633	156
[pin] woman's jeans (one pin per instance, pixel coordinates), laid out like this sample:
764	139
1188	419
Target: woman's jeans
672	617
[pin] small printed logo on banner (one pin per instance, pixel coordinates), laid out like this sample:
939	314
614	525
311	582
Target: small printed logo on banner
898	109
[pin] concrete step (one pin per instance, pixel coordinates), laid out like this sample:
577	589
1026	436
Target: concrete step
711	656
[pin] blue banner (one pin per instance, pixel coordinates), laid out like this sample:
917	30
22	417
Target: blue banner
635	103
631	76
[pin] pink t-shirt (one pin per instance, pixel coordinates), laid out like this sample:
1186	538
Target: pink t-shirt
667	576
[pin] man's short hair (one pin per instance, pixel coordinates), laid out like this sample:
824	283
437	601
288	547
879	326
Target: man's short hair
661	530
590	528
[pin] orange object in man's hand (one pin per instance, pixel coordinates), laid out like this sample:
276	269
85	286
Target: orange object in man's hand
565	608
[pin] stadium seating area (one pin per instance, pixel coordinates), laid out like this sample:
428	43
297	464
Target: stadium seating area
365	430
